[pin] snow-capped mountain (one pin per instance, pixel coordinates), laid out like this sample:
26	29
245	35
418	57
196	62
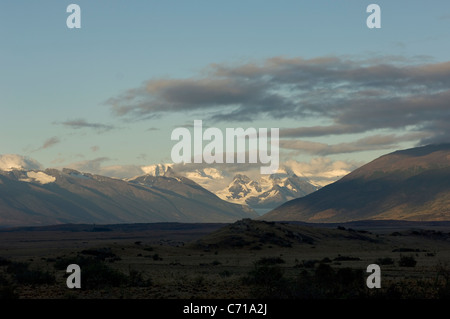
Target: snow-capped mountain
259	192
411	184
51	196
156	169
268	192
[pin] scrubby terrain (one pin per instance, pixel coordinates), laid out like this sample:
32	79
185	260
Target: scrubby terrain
246	259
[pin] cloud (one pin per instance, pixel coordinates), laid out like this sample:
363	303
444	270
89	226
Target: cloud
52	141
89	166
353	95
214	177
14	161
96	166
81	123
314	131
321	170
375	142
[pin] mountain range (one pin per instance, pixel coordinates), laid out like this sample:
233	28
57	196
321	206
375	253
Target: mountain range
261	193
411	184
268	192
45	197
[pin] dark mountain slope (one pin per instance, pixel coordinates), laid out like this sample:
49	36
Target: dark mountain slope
67	196
413	184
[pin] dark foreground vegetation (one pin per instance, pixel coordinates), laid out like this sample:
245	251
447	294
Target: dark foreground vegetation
248	260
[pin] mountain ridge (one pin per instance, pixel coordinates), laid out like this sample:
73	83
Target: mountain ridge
268	192
412	184
51	196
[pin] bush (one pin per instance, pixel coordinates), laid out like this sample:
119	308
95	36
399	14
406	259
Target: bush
324	274
7	292
309	263
136	279
326	282
384	261
97	274
407	261
4	261
345	258
268	281
156	257
270	261
225	273
35	277
102	254
17	267
23	275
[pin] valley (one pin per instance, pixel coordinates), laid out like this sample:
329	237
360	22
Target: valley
247	259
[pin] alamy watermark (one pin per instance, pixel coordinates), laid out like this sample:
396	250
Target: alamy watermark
74	279
190	148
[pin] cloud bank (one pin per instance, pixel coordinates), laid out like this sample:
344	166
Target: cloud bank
9	162
82	123
352	95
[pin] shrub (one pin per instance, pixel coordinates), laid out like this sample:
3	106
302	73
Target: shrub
326	282
156	257
225	273
23	275
101	253
35	277
270	261
384	261
97	274
407	261
7	292
4	261
345	258
136	279
324	274
309	263
94	272
17	267
267	281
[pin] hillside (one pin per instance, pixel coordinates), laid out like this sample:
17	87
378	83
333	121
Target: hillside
32	198
257	235
411	184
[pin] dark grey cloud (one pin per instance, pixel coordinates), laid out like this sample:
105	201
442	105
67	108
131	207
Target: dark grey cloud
353	95
370	143
81	123
89	166
314	131
48	143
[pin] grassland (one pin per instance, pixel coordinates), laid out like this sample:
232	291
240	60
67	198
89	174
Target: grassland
247	259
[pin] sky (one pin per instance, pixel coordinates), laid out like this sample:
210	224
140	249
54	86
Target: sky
106	97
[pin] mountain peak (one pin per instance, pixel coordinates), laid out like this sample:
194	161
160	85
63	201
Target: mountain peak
412	184
267	192
406	162
157	169
241	178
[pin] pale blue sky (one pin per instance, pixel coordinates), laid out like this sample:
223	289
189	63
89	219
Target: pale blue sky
56	84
